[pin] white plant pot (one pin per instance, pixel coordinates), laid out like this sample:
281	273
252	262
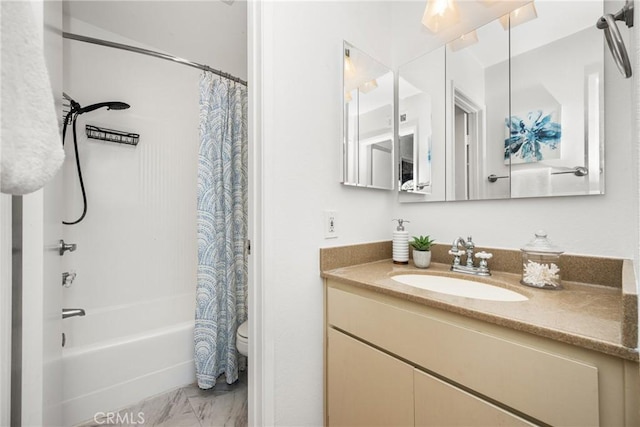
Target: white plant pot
422	259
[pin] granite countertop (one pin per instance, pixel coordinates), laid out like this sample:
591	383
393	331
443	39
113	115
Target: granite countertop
585	315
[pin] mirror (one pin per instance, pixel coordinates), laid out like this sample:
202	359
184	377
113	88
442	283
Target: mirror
556	131
477	102
368	143
519	112
421	97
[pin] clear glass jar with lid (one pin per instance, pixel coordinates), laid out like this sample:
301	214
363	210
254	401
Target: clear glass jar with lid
541	263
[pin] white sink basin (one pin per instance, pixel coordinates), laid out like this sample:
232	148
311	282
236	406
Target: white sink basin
459	287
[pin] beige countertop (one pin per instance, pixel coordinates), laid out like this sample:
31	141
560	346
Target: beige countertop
585	315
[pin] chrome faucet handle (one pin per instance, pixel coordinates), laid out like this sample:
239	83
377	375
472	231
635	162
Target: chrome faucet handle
456	253
68	277
483	257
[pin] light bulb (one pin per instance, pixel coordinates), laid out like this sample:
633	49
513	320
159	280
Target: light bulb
440	14
519	16
349	69
367	87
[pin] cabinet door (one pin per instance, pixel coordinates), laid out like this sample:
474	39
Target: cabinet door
366	387
440	404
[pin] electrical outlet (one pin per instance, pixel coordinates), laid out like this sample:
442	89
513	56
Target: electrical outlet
330	226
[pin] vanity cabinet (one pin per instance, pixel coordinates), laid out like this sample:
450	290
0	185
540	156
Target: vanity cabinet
366	386
391	361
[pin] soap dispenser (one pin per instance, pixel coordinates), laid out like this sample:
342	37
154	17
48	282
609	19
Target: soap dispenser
400	244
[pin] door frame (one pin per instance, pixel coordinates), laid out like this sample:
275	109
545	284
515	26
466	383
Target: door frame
6	311
261	400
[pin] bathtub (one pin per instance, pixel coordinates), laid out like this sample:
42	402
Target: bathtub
117	356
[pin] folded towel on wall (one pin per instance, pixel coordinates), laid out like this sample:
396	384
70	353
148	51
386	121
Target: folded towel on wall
31	147
534	182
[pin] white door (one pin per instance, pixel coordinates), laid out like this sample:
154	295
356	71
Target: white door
41	265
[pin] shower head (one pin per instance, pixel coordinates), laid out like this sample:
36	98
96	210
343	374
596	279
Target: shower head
112	105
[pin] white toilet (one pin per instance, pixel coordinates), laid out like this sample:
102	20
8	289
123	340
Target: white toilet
242	339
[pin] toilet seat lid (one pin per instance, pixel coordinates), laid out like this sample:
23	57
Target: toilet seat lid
243	330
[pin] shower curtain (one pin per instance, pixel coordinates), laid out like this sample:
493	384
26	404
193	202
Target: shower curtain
221	296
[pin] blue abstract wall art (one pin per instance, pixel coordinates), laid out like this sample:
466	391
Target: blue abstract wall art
532	137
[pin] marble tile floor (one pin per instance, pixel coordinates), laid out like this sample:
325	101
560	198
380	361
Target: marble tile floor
223	405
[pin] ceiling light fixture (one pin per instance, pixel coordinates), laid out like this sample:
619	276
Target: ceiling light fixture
367	87
519	16
440	14
349	69
463	41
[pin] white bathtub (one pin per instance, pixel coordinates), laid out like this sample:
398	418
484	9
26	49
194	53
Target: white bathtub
118	356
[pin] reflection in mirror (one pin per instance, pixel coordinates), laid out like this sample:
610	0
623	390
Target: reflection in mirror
556	129
421	92
478	103
367	151
524	103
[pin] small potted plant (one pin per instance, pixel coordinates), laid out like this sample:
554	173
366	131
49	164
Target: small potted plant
422	251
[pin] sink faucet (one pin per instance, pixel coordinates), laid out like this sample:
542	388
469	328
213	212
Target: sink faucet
460	247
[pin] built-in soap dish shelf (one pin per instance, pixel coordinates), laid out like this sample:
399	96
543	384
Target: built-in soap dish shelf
112	135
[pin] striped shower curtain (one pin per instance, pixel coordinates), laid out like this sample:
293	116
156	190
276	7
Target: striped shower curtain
221	296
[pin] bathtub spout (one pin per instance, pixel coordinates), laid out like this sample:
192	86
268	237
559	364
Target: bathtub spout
71	312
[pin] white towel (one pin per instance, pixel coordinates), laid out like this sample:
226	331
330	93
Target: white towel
31	143
531	182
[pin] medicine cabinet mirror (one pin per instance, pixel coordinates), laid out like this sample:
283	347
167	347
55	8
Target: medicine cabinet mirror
518	113
368	145
421	98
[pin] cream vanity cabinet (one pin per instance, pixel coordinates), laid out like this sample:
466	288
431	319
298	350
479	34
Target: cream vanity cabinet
393	362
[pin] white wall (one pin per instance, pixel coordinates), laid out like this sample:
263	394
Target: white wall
302	46
301	170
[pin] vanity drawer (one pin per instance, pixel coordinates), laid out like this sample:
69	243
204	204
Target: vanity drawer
549	387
